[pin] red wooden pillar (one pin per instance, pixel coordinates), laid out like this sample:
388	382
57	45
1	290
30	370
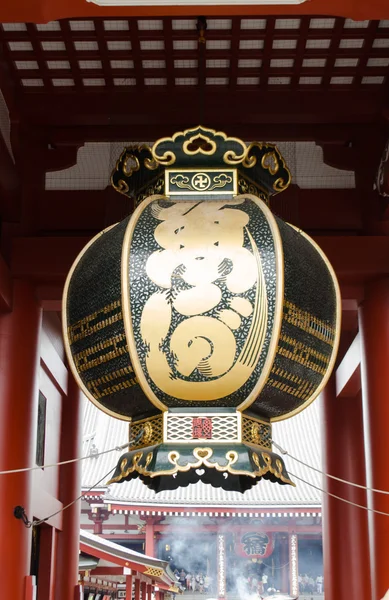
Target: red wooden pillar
143	590
70	487
343	456
149	537
19	369
129	587
137	588
374	328
148	592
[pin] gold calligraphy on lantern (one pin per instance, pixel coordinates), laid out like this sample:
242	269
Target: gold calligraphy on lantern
203	253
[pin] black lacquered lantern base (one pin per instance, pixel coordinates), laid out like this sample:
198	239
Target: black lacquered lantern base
233	467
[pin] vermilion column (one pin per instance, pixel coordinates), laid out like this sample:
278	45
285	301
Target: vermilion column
148	592
19	370
137	589
374	329
343	457
149	537
70	489
143	590
129	587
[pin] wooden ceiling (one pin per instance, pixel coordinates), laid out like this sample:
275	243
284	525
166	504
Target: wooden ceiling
310	53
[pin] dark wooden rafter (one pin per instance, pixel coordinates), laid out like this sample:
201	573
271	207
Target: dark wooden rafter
334	47
101	36
169	56
234	60
107	71
39	55
372	32
267	52
300	51
201	58
71	55
136	54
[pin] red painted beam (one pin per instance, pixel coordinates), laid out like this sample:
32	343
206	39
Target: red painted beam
107	571
39	11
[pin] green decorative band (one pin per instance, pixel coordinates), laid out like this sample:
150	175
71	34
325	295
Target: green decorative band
195	182
190	463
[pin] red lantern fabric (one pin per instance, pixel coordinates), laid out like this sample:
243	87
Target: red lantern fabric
254	544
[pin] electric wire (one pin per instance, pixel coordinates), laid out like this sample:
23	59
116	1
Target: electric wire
72	460
40	521
37	522
357	485
373	510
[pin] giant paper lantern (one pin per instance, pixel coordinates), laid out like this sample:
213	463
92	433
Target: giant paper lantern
202	317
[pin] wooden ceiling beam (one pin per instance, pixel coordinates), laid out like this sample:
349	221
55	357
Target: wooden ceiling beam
41	11
251	130
156	105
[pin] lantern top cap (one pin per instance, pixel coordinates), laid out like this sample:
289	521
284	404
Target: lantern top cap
258	163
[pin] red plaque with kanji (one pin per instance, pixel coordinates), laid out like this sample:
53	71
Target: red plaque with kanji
201	428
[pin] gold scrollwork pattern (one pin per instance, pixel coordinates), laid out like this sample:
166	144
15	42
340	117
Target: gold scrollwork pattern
208	147
271	161
130	165
204	456
256	432
152	431
201	148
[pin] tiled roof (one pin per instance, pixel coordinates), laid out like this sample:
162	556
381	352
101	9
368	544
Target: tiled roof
300	436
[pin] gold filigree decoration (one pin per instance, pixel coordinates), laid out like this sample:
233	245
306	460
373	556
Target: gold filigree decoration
200	148
147	433
250	161
130	165
256	432
230	157
153	431
279	185
270	162
203	456
181	181
122	187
